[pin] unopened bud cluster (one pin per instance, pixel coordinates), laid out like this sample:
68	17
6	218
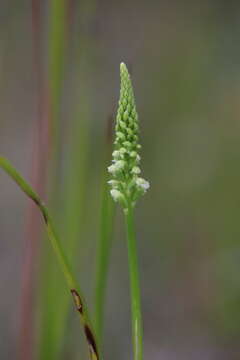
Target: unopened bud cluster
126	183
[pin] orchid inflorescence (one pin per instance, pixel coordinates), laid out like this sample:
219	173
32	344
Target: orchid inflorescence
127	185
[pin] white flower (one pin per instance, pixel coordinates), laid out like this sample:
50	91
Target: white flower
135	155
116	154
116	195
136	170
142	184
122	151
117	166
112	169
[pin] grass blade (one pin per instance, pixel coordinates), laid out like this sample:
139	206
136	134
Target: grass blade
60	254
49	346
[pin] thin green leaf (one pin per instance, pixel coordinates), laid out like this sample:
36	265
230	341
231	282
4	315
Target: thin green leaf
60	254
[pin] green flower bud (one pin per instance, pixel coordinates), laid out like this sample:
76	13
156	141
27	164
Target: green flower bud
127	144
120	135
129	131
125	115
133	154
122	124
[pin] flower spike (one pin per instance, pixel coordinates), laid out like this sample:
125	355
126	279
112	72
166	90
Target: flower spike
126	184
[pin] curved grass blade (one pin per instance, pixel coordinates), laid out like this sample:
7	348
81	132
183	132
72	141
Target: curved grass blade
80	304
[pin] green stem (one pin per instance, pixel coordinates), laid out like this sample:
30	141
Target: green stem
50	290
66	269
137	332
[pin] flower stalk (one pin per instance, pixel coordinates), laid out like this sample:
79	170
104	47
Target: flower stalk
137	330
126	188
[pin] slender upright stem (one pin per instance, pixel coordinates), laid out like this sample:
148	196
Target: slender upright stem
137	331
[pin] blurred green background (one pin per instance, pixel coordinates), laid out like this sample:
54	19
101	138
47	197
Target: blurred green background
59	85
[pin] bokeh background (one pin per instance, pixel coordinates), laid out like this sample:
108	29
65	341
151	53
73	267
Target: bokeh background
59	85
